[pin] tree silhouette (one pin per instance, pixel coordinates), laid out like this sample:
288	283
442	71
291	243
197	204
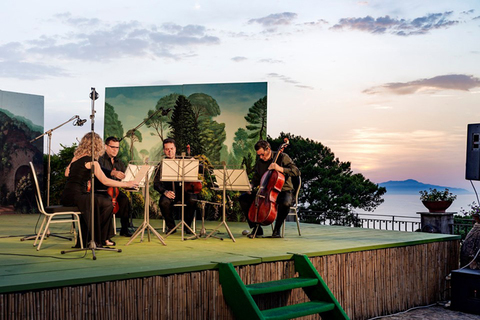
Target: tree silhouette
184	128
328	185
257	119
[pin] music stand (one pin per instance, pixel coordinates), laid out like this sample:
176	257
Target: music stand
181	170
231	180
142	174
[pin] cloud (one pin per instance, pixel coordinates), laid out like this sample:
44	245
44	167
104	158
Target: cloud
288	80
445	82
239	59
103	42
399	27
270	61
275	19
319	22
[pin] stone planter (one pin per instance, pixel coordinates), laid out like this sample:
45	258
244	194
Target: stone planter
437	206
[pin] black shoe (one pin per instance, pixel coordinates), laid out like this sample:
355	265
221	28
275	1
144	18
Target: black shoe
276	234
187	231
125	233
258	234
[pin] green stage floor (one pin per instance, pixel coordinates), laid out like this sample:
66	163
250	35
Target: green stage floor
24	268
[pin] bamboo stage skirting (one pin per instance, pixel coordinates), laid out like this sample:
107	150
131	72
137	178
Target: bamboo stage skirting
366	283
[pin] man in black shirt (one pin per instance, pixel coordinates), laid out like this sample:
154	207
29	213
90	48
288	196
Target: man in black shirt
171	193
285	165
115	169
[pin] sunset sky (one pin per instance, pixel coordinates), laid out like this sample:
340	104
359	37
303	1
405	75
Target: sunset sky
387	85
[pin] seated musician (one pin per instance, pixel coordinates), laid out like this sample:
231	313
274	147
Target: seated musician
285	165
76	191
114	169
171	193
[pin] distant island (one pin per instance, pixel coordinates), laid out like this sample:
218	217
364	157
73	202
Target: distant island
411	186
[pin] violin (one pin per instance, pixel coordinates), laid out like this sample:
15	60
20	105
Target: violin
192	187
264	209
114	192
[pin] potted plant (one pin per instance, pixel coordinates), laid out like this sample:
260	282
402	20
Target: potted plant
437	200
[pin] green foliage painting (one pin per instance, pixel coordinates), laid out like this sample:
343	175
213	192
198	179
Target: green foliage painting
219	121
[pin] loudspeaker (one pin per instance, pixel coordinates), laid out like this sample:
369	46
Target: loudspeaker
466	290
472	170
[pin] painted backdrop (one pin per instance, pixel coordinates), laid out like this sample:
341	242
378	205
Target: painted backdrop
21	120
220	121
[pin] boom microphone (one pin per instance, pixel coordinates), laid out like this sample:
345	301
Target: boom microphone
79	122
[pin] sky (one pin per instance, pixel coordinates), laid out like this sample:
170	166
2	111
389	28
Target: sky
388	85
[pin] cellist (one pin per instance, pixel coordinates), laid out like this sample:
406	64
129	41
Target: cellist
264	162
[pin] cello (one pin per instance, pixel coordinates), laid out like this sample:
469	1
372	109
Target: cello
263	210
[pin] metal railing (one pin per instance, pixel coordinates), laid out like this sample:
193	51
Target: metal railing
397	223
461	226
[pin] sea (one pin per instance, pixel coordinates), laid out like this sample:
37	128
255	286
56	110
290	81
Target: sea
407	205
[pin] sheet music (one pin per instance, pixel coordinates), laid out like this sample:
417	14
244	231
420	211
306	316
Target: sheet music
138	173
172	170
235	179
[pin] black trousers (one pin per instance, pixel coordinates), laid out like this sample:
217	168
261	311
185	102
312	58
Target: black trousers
284	202
124	212
103	210
167	208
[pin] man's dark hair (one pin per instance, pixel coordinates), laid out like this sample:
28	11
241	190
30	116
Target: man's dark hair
262	144
111	138
168	140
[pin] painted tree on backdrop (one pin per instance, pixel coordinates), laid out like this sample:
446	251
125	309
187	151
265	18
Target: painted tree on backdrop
212	134
114	127
329	187
159	122
184	127
257	119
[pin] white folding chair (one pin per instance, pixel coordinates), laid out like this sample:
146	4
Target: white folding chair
297	183
60	213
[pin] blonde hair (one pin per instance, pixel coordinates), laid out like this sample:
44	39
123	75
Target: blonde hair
85	146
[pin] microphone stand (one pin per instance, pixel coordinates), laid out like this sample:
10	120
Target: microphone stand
49	133
92	245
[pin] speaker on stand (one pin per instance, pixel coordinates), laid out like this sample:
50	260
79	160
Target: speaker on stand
472	169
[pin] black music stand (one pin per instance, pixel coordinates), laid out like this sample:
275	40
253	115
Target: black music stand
231	180
181	170
142	174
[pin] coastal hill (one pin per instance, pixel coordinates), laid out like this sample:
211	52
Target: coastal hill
411	186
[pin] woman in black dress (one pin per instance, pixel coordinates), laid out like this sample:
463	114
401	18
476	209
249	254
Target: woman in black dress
76	194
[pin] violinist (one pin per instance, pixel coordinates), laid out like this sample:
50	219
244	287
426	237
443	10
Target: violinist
75	193
114	169
171	193
264	162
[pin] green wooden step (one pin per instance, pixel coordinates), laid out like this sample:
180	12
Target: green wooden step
298	310
281	285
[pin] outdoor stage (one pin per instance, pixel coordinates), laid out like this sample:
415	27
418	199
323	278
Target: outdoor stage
371	272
